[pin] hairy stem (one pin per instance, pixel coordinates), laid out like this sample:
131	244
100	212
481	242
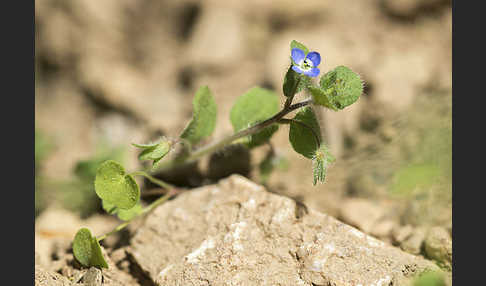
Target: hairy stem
153	180
194	156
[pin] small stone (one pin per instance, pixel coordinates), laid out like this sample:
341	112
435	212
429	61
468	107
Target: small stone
383	228
413	244
401	233
93	277
438	246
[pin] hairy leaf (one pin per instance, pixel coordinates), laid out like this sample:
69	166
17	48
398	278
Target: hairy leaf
305	134
342	87
323	98
87	250
204	116
116	187
156	152
256	105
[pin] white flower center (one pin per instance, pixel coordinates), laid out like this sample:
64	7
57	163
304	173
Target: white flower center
306	64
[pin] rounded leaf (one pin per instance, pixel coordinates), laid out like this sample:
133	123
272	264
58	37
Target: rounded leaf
204	116
303	133
109	208
87	250
256	105
342	86
130	213
82	249
323	98
116	187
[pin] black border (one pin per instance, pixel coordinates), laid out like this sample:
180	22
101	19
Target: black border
18	102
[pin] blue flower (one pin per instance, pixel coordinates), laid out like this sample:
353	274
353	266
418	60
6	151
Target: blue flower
306	64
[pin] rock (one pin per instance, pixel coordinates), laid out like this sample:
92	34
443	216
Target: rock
401	233
361	213
413	244
236	233
438	246
48	278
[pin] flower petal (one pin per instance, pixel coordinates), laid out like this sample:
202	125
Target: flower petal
297	69
297	55
313	72
315	58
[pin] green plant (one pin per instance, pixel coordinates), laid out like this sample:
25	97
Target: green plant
429	278
255	116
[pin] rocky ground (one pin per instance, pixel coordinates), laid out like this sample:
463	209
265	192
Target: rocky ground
116	72
236	233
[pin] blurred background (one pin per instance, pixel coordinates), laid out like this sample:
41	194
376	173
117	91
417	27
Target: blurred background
115	72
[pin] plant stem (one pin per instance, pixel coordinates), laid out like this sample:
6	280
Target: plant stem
157	202
115	230
144	211
153	179
227	140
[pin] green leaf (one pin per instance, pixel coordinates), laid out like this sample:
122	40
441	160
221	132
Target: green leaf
294	82
295	44
204	116
303	136
342	87
122	214
82	246
130	213
87	250
256	105
86	169
109	208
323	98
146	146
97	258
156	152
116	187
320	162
